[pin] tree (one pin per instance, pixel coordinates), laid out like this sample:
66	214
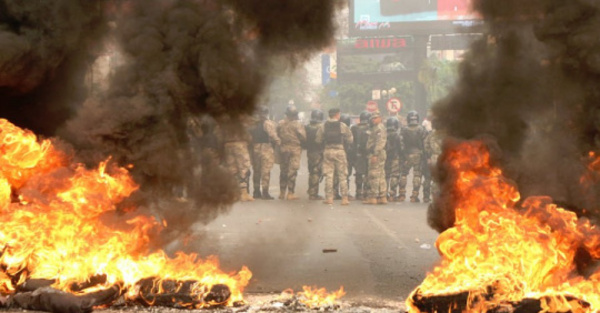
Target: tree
438	76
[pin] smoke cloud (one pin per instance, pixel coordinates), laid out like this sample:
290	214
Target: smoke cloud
46	49
183	60
529	88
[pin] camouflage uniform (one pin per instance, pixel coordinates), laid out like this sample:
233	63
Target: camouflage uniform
333	135
237	156
393	148
433	149
376	174
413	142
264	136
293	136
210	143
360	134
350	157
314	154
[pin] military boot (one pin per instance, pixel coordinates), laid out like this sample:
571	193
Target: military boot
426	197
370	201
246	196
328	201
257	194
282	195
359	195
345	201
401	198
266	195
392	197
415	197
315	197
291	196
382	200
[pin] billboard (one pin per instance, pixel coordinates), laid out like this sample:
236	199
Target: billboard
387	17
382	57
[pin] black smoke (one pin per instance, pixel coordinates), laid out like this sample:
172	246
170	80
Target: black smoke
531	85
182	60
46	50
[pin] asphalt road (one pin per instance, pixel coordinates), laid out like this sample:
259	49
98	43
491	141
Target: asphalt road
381	251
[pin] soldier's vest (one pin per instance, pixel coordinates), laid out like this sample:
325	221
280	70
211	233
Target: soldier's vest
413	139
361	136
311	137
333	133
209	141
259	135
392	145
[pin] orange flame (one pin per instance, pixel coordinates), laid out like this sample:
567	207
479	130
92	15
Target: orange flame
500	252
592	175
314	297
56	230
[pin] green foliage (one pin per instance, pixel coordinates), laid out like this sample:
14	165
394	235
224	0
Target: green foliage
438	76
352	97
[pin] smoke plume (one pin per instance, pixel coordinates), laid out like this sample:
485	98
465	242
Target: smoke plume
46	49
183	60
529	87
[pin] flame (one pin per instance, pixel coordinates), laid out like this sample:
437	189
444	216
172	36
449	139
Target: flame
592	175
56	229
314	297
500	251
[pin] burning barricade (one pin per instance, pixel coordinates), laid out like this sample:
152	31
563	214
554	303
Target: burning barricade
310	298
505	254
59	252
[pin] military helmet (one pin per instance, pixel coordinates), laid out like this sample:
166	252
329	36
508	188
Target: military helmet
392	123
365	116
207	124
317	116
263	110
345	118
291	111
375	115
412	118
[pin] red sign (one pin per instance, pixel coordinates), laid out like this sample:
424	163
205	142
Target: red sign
394	105
372	106
380	43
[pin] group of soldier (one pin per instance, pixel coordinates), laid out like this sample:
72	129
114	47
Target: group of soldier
381	155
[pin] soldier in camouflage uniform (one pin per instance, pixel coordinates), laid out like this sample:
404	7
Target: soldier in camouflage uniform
264	136
345	118
376	155
211	148
293	136
413	137
333	135
433	149
359	150
237	155
393	148
314	154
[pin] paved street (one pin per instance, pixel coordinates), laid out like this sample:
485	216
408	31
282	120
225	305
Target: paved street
380	251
